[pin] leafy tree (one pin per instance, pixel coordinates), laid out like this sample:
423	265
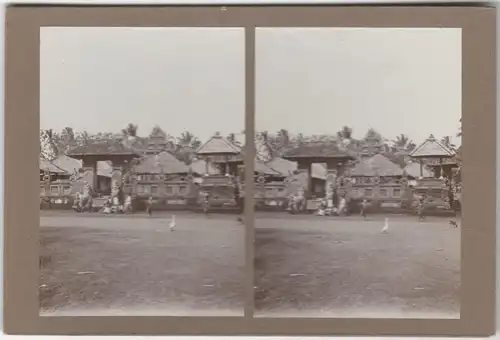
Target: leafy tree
48	144
345	133
130	130
401	141
157	131
188	139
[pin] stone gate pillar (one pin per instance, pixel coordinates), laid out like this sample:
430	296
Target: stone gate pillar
330	186
116	179
90	174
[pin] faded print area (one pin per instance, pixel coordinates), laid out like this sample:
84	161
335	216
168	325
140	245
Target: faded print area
141	154
359	209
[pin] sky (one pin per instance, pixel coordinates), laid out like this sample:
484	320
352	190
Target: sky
100	79
394	80
308	80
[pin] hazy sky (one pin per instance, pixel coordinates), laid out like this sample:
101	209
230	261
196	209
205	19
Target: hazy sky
308	80
315	80
101	79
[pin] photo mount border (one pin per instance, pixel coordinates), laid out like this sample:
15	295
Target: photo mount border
21	312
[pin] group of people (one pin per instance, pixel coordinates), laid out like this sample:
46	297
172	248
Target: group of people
83	201
114	206
327	208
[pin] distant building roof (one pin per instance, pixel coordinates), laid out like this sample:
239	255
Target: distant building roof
413	170
218	145
104	169
284	166
101	148
318	170
61	165
430	183
163	162
287	168
432	148
377	165
67	165
199	166
317	150
262	168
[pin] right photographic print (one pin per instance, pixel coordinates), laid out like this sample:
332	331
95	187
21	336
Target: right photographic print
358	183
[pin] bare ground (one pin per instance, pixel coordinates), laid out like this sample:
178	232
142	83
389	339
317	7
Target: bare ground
117	265
309	266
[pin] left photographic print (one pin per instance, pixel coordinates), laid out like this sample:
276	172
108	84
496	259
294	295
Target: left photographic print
141	162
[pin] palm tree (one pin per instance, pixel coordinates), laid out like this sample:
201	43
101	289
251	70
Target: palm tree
68	133
196	143
410	146
345	133
130	130
284	137
67	140
157	131
371	134
300	139
281	141
401	141
48	144
262	145
186	146
188	139
82	138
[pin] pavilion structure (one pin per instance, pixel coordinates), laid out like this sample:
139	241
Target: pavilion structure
380	181
441	160
435	155
329	153
221	152
113	151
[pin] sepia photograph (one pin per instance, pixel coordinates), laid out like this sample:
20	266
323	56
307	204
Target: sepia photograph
358	205
141	158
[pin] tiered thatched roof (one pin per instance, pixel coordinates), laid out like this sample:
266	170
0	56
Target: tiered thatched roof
218	145
288	168
377	165
199	167
164	162
103	148
432	148
64	165
413	170
318	151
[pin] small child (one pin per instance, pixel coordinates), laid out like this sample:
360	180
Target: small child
106	209
321	208
149	206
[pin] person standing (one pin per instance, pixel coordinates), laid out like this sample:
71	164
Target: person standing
420	208
206	202
364	206
149	206
240	200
